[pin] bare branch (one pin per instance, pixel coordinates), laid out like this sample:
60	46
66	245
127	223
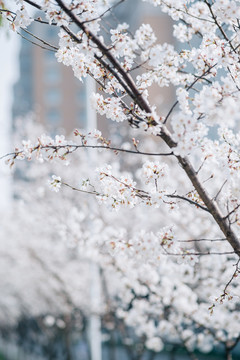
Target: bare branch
187	253
196	240
232	212
188	200
42	40
219	191
33	42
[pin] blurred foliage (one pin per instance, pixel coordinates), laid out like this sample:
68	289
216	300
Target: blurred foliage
2	6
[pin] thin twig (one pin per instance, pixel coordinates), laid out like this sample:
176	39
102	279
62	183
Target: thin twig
105	12
196	240
71	147
189	200
38	38
219	191
188	88
236	272
33	42
200	253
232	212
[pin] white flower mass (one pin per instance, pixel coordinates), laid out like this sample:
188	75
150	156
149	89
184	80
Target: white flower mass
165	225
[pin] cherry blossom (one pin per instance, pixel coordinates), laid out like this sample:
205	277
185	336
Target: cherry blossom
167	234
55	183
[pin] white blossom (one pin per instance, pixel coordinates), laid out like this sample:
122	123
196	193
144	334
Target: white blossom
55	183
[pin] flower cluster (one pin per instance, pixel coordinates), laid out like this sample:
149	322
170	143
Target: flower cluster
165	301
21	20
111	107
55	183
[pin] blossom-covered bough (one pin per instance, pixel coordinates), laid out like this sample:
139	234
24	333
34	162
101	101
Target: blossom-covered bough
151	281
198	137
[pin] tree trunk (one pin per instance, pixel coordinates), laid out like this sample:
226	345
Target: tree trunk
228	354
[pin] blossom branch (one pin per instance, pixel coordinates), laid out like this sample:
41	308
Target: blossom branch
135	94
70	148
167	137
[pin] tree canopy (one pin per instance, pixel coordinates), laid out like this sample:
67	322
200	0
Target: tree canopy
166	227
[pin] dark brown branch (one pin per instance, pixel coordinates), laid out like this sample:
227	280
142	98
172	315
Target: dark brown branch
32	3
232	212
8	11
188	200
